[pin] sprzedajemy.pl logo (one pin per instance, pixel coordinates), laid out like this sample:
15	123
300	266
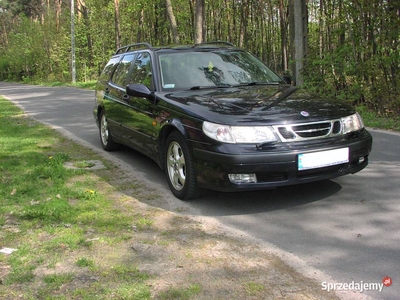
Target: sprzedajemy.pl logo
357	286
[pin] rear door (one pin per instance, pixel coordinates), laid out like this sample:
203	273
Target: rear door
116	99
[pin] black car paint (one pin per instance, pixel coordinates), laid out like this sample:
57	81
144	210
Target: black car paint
231	106
268	105
142	119
279	164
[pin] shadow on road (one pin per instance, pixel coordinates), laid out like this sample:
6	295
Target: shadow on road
218	204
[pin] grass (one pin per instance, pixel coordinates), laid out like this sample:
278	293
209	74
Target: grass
180	293
49	212
254	288
84	164
374	120
89	85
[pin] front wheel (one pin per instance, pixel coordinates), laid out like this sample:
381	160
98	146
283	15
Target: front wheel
179	168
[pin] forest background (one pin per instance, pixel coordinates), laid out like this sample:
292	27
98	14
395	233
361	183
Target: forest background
353	47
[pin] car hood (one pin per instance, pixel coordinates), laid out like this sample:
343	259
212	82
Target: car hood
264	104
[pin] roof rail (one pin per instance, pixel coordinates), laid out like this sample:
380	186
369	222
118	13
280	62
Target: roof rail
132	47
214	43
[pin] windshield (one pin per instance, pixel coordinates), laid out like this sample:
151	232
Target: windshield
185	70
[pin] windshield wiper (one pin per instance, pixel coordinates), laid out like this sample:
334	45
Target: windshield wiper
260	83
198	87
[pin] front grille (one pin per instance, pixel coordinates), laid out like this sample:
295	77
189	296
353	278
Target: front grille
307	131
337	127
312	130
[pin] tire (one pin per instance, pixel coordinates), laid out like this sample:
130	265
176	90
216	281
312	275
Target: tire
106	139
179	168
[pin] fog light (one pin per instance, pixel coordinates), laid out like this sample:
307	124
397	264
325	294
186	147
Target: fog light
361	159
243	178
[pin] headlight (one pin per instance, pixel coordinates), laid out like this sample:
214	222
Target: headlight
352	123
239	134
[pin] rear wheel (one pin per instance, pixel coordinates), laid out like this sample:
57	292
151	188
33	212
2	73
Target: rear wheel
179	168
105	136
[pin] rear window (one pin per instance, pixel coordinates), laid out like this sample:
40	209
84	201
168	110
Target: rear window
121	73
109	68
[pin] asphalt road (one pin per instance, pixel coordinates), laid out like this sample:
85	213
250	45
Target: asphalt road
339	231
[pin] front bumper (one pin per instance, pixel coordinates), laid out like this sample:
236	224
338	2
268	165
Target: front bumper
277	168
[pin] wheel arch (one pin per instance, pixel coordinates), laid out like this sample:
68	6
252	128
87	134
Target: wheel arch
167	129
100	109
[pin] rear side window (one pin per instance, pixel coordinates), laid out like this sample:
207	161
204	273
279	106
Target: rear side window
109	68
142	70
121	73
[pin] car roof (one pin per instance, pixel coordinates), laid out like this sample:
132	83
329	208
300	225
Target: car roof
202	46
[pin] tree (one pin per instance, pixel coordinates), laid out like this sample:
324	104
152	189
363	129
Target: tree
199	21
117	26
352	47
172	21
283	14
298	36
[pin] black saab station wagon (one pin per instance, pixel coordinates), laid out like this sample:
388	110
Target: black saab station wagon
213	116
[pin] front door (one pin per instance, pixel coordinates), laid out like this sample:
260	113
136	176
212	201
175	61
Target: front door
140	112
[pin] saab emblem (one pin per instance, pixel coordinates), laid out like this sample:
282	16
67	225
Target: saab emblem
304	113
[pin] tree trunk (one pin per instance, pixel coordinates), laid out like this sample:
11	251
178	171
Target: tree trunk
84	11
117	25
57	5
199	22
172	21
140	27
298	36
283	26
243	23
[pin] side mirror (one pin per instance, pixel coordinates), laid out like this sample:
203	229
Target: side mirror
139	90
287	79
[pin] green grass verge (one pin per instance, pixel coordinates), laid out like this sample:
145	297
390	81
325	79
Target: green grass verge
90	85
377	121
47	213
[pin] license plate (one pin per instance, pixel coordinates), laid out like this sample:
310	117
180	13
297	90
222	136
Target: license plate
323	159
